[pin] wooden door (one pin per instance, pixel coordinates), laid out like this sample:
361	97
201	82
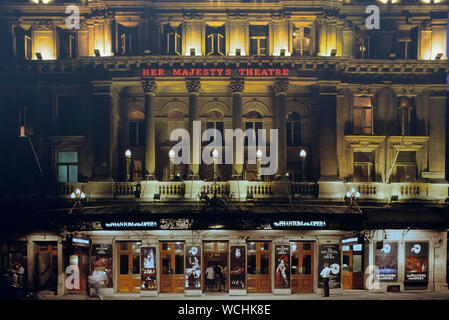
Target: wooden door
302	267
259	267
128	266
172	267
47	266
352	271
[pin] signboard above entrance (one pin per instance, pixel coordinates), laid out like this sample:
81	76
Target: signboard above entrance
215	72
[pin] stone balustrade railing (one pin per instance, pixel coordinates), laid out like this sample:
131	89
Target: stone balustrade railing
253	190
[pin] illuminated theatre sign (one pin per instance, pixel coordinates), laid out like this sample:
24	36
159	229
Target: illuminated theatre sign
215	72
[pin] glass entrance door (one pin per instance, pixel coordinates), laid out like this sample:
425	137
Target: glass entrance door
128	266
302	266
215	266
172	267
352	271
259	267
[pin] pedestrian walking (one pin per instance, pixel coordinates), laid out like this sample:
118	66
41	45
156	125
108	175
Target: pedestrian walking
325	273
210	276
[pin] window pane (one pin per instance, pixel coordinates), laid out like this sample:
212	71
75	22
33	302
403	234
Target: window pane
362	101
307	264
179	246
295	265
136	264
264	264
297	133
62	173
407	156
132	132
289	134
73	173
363	156
179	264
306	246
123	245
251	264
141	134
124	268
67	157
357	263
166	264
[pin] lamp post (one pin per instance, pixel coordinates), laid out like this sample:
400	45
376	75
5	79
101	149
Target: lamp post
171	156
215	158
302	158
258	157
128	164
78	196
352	200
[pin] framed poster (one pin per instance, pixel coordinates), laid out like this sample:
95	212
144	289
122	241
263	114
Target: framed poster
416	262
238	267
148	269
330	255
386	260
282	258
101	261
193	267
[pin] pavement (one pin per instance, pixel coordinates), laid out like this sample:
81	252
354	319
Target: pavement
342	295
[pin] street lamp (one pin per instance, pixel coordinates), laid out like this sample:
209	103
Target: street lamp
171	156
128	164
302	158
78	196
258	157
215	158
352	200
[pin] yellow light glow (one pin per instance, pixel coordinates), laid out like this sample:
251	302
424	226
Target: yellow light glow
384	1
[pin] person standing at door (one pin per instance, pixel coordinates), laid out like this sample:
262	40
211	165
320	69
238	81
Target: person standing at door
325	273
210	276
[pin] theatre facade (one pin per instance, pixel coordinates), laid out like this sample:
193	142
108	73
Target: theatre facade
88	177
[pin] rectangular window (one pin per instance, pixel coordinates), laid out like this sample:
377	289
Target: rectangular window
72	46
136	133
258	40
363	120
255	125
215	41
406	166
67	166
172	40
301	41
363	167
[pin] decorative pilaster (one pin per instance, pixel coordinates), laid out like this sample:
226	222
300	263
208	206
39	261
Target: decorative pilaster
193	86
280	88
237	86
149	88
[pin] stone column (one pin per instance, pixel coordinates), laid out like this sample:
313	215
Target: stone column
280	91
149	88
193	87
237	86
437	133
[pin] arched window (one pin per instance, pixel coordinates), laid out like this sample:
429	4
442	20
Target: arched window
215	121
293	129
136	129
253	121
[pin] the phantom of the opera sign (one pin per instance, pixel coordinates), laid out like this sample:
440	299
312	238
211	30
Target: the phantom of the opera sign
386	260
416	261
215	72
330	255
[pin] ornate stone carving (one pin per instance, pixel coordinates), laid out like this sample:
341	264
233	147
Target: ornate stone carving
193	85
83	25
192	14
280	86
237	85
408	89
43	25
236	14
149	86
364	88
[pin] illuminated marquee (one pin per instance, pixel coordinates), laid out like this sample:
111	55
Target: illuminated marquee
215	72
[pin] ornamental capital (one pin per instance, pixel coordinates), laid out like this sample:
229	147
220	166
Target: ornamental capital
149	86
237	85
280	86
43	25
193	85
